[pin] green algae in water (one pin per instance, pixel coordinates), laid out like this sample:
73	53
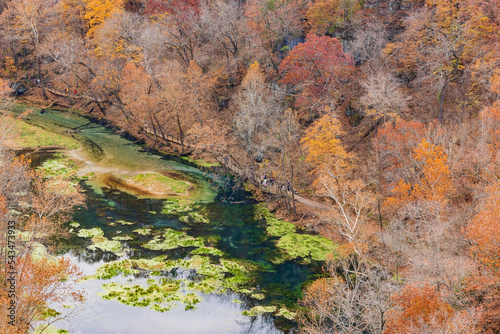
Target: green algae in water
49	329
175	207
306	246
123	238
285	313
257	310
275	227
158	297
207	251
147	230
216	277
258	296
126	267
59	166
156	182
172	239
90	233
104	244
123	222
74	224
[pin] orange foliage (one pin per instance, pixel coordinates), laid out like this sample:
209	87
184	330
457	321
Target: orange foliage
419	308
484	230
435	181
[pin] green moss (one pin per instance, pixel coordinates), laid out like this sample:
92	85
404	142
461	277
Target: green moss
74	224
306	246
257	310
90	233
172	239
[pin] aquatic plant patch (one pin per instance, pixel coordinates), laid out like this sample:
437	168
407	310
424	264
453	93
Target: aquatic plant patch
147	230
175	207
172	239
156	183
257	310
211	277
104	244
306	246
160	297
285	313
275	227
90	232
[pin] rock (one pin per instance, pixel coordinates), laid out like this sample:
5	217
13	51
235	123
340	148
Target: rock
19	88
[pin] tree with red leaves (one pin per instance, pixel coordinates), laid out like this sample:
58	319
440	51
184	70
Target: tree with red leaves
319	69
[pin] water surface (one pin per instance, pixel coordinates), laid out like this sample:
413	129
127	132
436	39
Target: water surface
231	228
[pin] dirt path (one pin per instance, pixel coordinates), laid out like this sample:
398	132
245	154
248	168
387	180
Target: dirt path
311	203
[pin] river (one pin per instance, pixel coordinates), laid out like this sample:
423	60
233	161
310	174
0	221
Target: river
223	263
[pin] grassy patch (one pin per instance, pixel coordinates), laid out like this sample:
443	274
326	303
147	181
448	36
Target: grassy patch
34	136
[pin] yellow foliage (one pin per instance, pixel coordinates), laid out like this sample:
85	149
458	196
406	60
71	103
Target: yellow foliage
323	144
97	11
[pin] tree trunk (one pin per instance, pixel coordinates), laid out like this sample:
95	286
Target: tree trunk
181	134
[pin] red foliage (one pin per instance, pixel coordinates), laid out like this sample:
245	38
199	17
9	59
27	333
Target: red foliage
319	68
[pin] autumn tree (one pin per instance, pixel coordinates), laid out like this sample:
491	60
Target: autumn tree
383	96
39	207
180	24
318	69
483	234
329	16
356	298
437	50
221	23
420	309
258	113
97	11
31	21
272	24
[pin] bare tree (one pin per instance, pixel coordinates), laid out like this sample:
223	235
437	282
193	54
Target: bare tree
383	96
